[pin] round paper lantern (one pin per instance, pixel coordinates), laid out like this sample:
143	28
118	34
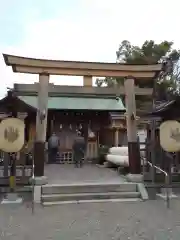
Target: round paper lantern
170	136
12	135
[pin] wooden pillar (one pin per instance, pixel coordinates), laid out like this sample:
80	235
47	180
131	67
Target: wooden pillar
6	164
20	157
133	147
52	125
116	137
41	125
87	81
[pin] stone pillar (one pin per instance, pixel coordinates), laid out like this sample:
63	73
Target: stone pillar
87	81
41	125
133	147
116	137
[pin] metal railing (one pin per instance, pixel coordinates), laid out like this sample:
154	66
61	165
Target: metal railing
166	181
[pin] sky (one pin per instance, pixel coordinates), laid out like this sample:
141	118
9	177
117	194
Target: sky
81	30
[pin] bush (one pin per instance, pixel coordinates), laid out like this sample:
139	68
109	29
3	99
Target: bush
102	152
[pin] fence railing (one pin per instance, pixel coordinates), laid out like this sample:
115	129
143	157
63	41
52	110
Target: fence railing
166	181
23	174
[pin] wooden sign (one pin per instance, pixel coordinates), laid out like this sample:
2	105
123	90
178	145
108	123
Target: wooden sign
170	136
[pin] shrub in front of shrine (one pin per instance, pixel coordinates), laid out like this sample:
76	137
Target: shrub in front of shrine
102	152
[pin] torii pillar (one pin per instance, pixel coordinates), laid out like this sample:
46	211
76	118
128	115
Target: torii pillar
41	125
133	146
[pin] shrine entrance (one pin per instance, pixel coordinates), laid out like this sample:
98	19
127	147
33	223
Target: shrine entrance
67	123
45	68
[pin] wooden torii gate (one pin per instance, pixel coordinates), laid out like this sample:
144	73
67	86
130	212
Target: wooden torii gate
45	68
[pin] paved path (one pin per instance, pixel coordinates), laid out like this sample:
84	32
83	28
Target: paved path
64	174
118	221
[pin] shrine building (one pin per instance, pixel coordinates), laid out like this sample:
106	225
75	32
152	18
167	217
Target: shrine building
98	112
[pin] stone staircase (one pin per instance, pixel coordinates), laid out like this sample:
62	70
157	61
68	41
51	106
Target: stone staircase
89	192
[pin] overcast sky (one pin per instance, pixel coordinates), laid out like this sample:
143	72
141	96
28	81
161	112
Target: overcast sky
87	30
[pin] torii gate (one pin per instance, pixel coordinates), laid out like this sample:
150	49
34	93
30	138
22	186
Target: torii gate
45	68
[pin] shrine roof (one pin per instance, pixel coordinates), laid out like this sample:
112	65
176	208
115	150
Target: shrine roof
16	103
78	103
72	97
168	109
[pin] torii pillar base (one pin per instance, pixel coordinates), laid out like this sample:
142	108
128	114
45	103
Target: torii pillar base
134	158
39	158
11	199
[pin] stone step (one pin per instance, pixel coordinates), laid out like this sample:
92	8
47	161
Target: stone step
88	188
88	196
127	200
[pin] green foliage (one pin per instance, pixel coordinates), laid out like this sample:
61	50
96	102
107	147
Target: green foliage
149	53
102	152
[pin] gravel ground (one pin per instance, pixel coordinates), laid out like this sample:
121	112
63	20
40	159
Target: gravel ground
96	221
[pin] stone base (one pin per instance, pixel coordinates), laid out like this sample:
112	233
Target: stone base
134	157
100	166
122	170
171	196
37	194
39	180
39	158
108	165
163	194
12	198
143	191
136	178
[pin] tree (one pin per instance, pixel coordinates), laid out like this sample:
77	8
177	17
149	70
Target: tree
149	53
